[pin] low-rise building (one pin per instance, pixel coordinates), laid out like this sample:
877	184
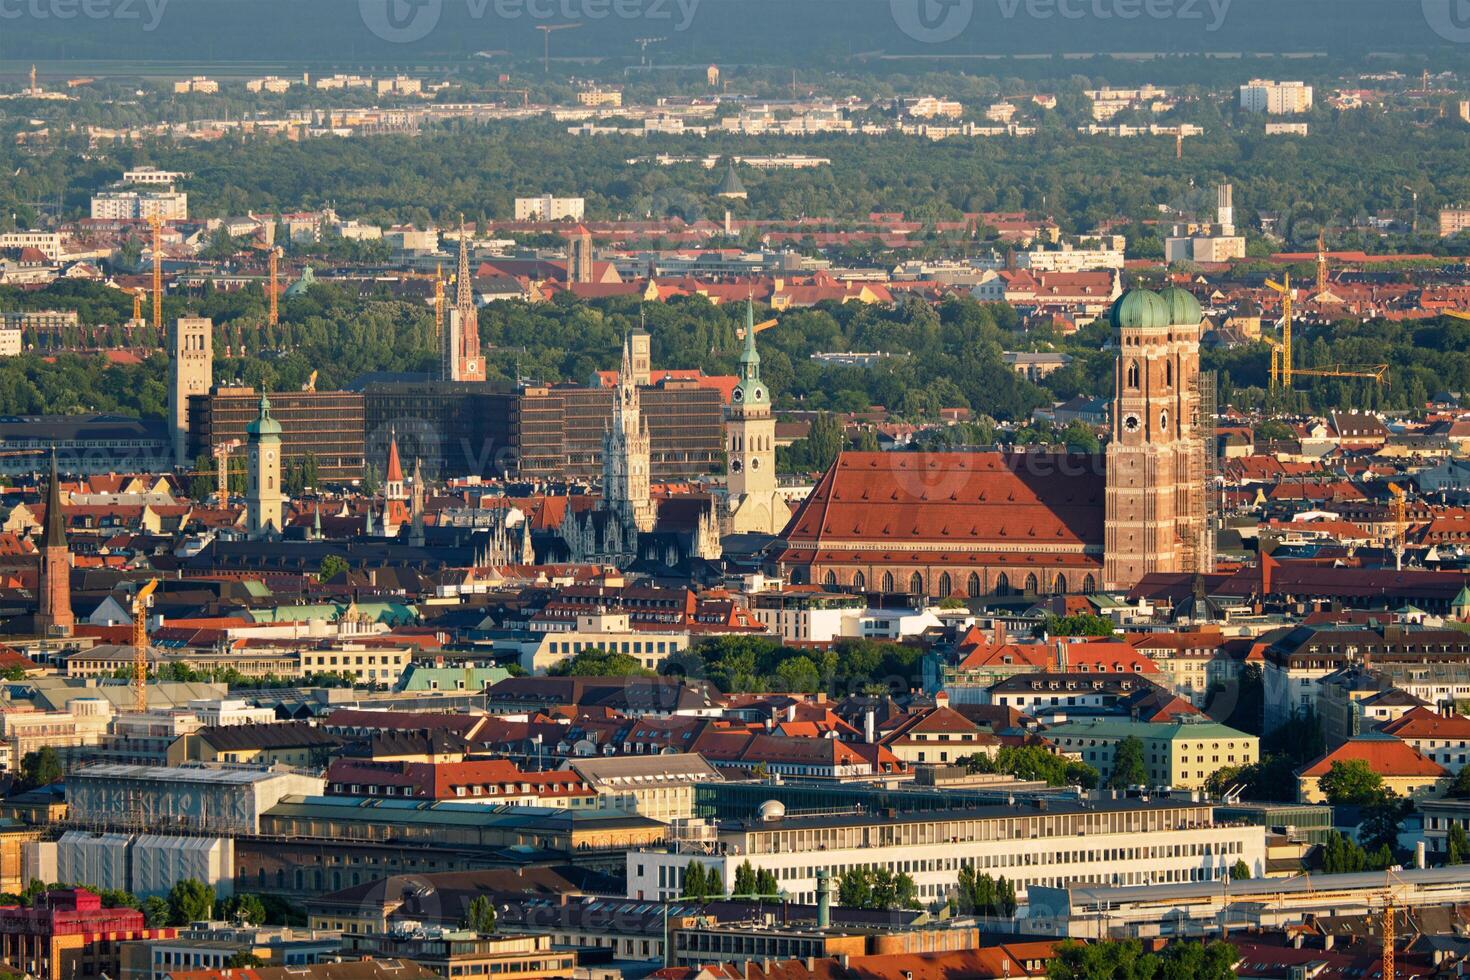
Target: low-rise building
1401	767
67	935
1050	843
1181	754
464	953
660	787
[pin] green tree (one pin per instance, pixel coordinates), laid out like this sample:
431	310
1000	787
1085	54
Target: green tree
1240	871
1460	785
1031	763
600	663
701	883
1341	855
244	960
41	768
1457	845
1079	624
202	483
824	440
745	879
876	888
156	912
1350	782
332	566
480	917
190	900
1128	764
246	908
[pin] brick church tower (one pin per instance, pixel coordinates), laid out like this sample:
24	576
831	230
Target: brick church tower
1155	519
53	614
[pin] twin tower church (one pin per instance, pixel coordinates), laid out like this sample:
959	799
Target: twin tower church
964	524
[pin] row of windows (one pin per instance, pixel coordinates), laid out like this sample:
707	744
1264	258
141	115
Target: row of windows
945	586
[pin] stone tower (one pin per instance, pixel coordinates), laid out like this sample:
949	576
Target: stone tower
1152	523
750	447
627	454
579	255
53	611
393	484
190	371
264	501
459	353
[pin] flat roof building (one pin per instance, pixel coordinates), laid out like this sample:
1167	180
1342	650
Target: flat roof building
325	424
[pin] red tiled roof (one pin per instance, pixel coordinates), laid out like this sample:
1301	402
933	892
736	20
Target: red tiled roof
1385	756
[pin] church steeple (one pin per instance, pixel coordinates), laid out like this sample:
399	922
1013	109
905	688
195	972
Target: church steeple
750	446
627	453
53	613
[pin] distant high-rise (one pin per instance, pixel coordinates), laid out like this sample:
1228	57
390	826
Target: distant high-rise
191	369
460	355
53	613
265	503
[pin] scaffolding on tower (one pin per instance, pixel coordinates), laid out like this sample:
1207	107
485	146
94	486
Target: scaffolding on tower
1203	476
156	223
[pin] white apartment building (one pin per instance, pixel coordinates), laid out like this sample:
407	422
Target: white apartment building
198	85
400	85
600	98
271	84
1049	843
930	107
47	242
548	208
1104	255
10	342
138	205
366	665
152	175
1275	98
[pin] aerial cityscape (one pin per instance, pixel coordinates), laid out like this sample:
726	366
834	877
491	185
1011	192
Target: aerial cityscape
734	490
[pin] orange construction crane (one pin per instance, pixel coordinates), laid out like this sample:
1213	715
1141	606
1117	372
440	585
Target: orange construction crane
275	313
141	604
1399	509
222	469
137	305
1281	352
1321	263
156	223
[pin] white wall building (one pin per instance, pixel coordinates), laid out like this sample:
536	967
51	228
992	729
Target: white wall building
153	176
136	205
1275	98
10	345
548	208
47	242
1119	842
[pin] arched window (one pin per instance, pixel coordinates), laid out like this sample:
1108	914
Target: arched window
1002	584
1133	374
944	586
887	581
1089	585
859	581
973	591
798	577
830	579
1061	585
916	584
1030	584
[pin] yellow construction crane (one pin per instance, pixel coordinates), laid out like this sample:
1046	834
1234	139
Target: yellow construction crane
766	325
1390	926
137	305
1458	314
310	382
1281	352
156	223
1399	509
1321	263
1282	371
141	603
222	468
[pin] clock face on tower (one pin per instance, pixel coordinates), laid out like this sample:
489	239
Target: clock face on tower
1131	422
736	466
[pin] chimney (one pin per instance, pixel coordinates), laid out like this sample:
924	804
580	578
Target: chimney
870	726
729	223
941	699
824	904
1419	856
1000	634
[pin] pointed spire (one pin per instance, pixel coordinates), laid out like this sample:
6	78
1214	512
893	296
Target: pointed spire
395	466
55	536
750	358
463	291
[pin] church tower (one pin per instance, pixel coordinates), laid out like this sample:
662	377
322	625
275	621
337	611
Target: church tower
627	454
264	501
189	373
459	354
750	447
1153	523
579	255
53	612
393	488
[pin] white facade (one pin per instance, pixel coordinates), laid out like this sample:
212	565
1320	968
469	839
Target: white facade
145	864
932	848
9	342
47	242
135	205
1275	98
152	175
1071	259
548	208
